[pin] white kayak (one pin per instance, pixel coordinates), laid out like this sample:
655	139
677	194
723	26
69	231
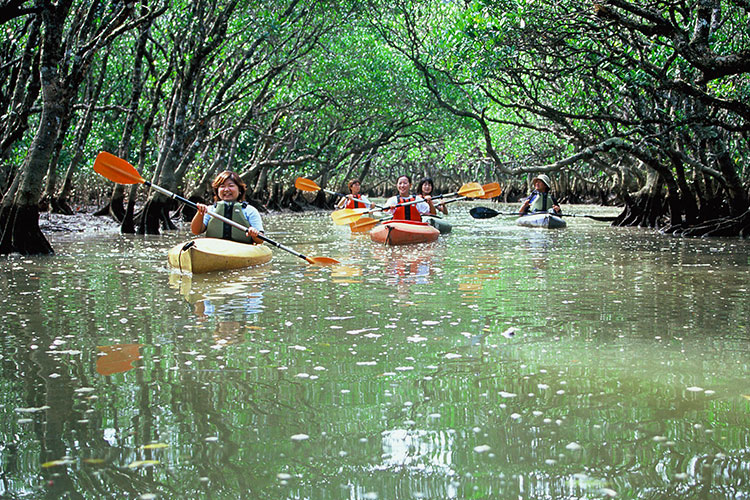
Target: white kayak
543	220
204	255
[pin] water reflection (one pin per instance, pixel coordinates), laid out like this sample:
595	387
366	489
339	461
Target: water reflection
391	376
346	274
407	266
117	358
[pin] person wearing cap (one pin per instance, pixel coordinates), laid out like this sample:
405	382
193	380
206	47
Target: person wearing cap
354	199
540	199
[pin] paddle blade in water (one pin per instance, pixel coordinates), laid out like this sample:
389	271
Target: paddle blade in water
322	261
306	185
491	190
483	213
116	169
363	224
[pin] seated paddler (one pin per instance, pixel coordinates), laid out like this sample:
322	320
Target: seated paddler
541	199
416	205
229	193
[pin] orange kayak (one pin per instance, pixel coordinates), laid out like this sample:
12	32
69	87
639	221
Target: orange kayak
403	232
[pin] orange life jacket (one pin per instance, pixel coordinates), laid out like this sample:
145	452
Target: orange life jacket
409	212
355	203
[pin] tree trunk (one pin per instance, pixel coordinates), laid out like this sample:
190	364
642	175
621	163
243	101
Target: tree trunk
154	215
19	227
127	224
645	207
59	203
25	94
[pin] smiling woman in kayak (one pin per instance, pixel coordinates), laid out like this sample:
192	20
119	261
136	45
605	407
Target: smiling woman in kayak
229	191
408	212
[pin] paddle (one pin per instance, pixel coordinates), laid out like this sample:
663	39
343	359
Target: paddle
349	215
491	190
363	224
311	186
120	171
487	213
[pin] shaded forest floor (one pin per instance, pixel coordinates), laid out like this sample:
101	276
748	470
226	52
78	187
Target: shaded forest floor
80	222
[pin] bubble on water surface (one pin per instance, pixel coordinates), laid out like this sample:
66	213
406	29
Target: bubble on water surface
300	437
483	448
573	446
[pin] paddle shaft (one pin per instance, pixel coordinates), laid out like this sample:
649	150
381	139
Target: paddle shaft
224	219
346	196
488	213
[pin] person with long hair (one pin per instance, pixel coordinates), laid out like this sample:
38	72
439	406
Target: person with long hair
425	189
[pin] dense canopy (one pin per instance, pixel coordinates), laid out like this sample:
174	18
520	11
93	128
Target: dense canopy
643	104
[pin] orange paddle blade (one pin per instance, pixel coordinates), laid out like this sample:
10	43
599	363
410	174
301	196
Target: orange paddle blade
322	261
116	169
471	190
491	190
363	224
306	185
348	215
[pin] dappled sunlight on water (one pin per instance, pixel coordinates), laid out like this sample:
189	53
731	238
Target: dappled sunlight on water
497	362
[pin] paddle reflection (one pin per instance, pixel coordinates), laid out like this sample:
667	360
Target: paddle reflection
117	358
346	274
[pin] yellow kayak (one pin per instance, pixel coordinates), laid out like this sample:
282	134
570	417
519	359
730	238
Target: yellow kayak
204	255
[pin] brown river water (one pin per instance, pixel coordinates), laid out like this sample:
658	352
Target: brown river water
498	362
